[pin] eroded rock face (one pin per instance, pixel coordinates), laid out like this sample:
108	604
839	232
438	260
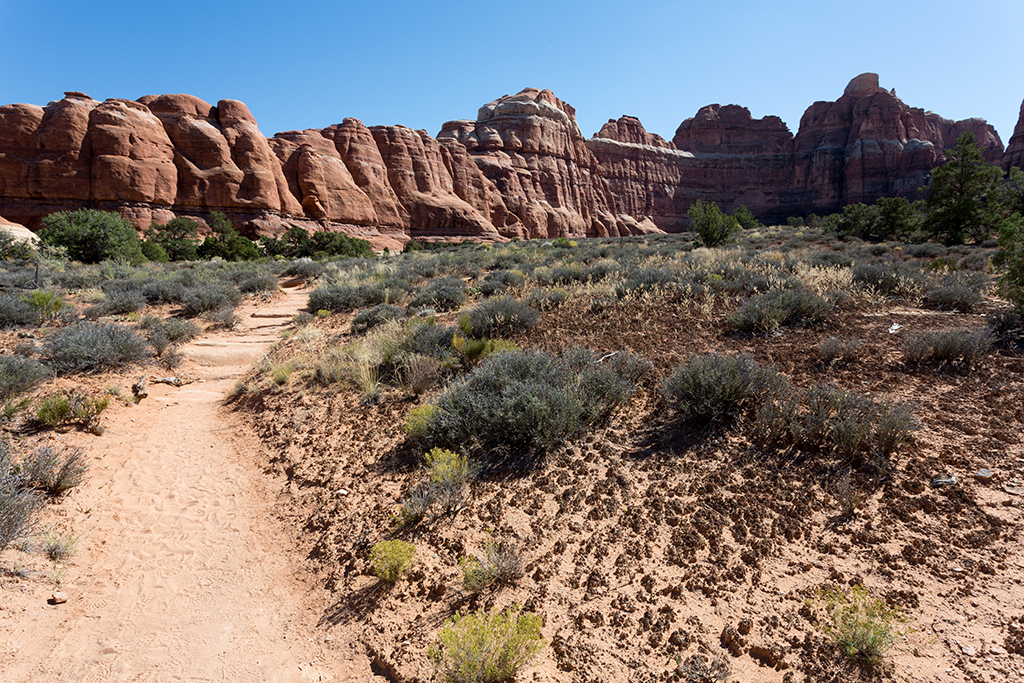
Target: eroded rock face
521	169
1014	155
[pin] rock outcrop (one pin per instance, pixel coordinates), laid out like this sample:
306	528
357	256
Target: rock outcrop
521	169
1014	155
865	145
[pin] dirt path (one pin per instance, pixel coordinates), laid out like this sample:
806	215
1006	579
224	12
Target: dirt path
184	574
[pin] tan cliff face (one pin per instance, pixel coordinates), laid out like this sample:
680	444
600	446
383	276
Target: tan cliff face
521	169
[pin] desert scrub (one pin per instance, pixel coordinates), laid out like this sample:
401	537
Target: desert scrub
487	648
498	317
376	316
210	297
447	467
73	407
863	626
834	349
961	346
441	294
46	304
418	421
501	563
54	471
19	505
60	547
714	389
18	375
515	403
91	347
15	311
765	313
390	559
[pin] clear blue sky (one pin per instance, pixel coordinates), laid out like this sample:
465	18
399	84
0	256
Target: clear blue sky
311	63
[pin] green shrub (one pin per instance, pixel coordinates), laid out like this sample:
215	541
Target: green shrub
54	471
447	467
92	236
864	627
154	252
713	227
767	312
225	242
501	563
46	304
178	239
744	218
390	559
18	375
73	407
714	389
418	422
499	317
1011	258
487	648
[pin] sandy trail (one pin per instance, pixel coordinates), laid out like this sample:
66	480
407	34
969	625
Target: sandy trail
185	575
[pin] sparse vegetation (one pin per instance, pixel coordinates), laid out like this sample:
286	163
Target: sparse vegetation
487	648
390	559
864	627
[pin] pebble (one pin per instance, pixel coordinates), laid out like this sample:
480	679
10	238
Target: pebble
983	475
996	650
944	481
343	492
58	598
968	650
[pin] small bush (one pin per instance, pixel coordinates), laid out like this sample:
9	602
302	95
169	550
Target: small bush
835	349
864	627
73	407
60	547
502	563
957	346
714	388
53	470
516	402
15	311
446	467
547	300
487	648
713	226
18	507
418	422
210	297
767	312
442	294
46	304
264	282
90	347
953	298
344	298
420	373
376	316
223	318
499	317
119	302
390	559
18	375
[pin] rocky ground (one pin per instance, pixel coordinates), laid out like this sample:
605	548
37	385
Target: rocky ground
650	541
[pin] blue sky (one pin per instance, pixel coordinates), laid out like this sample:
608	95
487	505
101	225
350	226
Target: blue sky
309	63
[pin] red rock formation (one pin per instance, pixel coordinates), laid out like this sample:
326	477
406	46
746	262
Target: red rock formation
732	130
521	169
1014	155
531	148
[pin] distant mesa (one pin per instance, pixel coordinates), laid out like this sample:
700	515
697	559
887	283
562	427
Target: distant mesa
521	169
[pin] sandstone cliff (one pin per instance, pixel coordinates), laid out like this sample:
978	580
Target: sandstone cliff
1014	155
521	169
